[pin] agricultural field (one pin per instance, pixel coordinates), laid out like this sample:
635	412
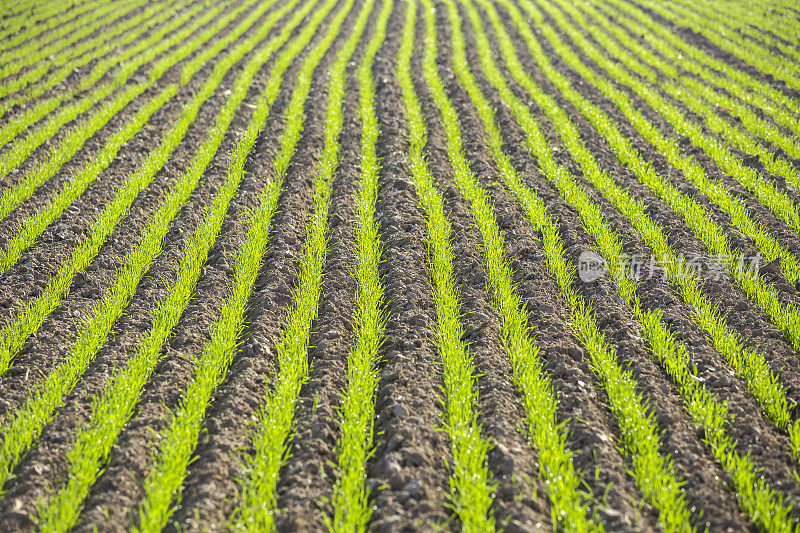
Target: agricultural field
399	265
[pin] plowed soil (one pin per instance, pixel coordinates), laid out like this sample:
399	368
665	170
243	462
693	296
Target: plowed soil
409	470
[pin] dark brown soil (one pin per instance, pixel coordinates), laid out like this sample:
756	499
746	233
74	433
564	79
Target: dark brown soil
588	415
111	26
307	480
411	450
34	44
701	41
657	296
565	360
741	315
408	472
211	487
50	346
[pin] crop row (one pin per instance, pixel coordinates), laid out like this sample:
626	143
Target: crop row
30	14
117	36
76	137
13	61
758	29
23	427
116	405
469	484
49	19
351	497
16	331
173	458
758	55
548	33
751	363
768	194
156	40
273	433
761	292
757	374
653	472
705	410
740	83
760	20
699	97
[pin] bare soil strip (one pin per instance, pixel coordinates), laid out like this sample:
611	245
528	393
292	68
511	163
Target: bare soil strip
192	330
409	473
411	450
741	315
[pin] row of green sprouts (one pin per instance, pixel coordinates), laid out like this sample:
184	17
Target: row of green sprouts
203	43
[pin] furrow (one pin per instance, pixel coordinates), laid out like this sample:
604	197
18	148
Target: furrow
315	428
763	294
74	139
23	427
258	498
759	57
208	499
120	35
351	496
35	312
742	84
34	111
180	438
470	483
556	467
36	28
750	364
742	24
64	37
595	435
114	408
700	96
210	488
765	191
412	464
757	499
383	265
640	434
